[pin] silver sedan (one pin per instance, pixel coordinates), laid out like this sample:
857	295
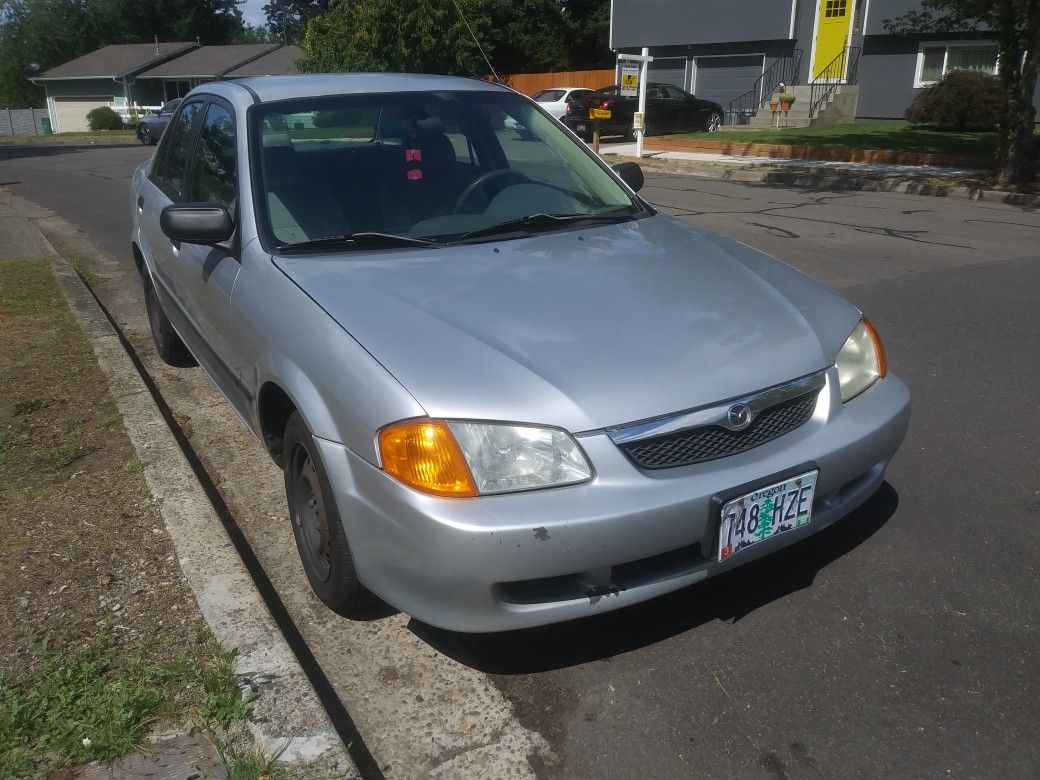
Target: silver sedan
504	390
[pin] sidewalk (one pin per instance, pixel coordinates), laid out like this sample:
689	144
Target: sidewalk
930	180
752	162
135	572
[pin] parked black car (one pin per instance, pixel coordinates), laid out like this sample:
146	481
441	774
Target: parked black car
668	110
150	127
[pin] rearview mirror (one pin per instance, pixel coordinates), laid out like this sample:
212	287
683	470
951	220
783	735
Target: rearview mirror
196	223
631	174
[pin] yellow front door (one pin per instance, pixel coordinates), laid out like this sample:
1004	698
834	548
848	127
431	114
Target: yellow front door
832	32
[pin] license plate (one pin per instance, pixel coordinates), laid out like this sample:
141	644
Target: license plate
765	513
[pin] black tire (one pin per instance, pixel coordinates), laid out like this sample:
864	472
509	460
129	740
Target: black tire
320	538
714	122
144	135
167	343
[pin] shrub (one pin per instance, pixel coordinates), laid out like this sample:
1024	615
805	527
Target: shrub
963	100
787	97
103	118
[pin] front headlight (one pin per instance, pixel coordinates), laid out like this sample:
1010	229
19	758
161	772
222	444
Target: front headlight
861	361
455	458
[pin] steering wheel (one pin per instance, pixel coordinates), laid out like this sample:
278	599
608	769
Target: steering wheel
481	181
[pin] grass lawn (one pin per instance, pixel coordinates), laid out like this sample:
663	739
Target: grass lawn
98	136
894	136
100	636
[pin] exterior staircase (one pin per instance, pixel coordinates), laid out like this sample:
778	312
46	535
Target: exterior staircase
839	108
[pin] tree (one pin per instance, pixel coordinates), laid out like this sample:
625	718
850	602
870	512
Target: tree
287	19
424	36
1016	26
588	29
528	36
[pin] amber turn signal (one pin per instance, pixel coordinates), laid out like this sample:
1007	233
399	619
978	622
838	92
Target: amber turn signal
424	455
878	347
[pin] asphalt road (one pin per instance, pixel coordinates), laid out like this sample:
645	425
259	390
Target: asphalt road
903	641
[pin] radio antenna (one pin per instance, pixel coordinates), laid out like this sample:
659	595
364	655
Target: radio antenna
474	37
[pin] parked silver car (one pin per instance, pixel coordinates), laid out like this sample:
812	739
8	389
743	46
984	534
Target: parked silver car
504	390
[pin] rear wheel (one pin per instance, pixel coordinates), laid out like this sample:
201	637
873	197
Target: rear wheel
167	343
320	538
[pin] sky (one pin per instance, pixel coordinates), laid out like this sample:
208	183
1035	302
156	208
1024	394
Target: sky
253	11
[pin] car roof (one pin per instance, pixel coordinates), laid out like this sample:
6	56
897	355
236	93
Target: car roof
272	88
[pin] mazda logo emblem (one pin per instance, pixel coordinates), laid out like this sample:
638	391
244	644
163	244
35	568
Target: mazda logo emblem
739	416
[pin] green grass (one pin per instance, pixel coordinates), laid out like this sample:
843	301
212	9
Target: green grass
87	276
96	704
894	136
133	466
30	405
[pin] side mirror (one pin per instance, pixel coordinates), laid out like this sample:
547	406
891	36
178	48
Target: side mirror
630	173
157	111
196	223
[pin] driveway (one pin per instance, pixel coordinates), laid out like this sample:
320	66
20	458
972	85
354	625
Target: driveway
902	641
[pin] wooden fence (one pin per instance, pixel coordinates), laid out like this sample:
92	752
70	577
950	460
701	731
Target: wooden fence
529	83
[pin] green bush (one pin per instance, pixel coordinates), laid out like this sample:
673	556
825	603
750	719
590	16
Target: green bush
963	100
103	118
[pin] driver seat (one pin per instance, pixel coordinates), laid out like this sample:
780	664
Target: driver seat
422	188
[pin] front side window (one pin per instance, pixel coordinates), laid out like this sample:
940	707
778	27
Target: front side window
214	172
173	157
428	166
936	60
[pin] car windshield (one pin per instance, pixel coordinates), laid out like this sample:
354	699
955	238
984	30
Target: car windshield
548	96
364	170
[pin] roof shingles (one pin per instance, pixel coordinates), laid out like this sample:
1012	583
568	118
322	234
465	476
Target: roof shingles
118	60
208	61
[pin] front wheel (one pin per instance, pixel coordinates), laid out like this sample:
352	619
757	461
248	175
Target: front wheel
167	343
144	135
714	122
320	538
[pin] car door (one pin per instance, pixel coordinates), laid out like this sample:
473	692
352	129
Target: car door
204	274
166	184
694	111
660	109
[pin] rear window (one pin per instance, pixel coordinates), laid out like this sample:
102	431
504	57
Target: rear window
548	96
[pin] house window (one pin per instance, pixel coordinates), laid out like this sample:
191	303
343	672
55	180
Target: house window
935	60
835	8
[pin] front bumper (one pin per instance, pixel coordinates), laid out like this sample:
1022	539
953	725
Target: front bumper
525	559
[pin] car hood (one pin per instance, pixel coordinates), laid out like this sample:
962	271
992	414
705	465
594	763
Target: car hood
582	329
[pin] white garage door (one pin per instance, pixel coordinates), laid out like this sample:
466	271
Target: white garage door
70	114
723	78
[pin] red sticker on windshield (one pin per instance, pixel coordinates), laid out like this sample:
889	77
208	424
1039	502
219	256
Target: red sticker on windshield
413	174
413	155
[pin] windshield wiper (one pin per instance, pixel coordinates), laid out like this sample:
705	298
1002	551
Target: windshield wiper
366	238
534	220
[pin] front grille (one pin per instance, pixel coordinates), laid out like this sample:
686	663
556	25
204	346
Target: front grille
696	445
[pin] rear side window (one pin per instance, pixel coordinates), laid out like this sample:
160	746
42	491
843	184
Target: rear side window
548	96
214	173
174	157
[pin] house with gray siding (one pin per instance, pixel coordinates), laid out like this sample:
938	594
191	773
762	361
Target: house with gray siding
141	76
736	52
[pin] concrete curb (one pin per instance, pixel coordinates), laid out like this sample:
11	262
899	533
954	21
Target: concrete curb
289	720
840	181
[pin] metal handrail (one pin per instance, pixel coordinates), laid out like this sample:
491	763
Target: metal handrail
841	70
784	70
